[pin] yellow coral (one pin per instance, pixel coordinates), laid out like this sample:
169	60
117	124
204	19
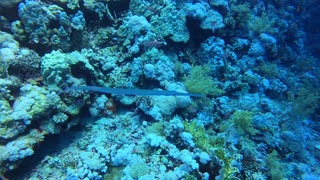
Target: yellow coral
243	122
200	82
209	144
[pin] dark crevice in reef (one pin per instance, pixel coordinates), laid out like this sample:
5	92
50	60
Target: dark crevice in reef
11	14
118	7
52	144
7	16
92	18
38	48
197	35
79	71
312	26
150	84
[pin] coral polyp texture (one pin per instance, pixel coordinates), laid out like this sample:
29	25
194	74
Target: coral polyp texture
159	89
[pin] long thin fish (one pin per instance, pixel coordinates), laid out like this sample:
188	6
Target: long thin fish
133	92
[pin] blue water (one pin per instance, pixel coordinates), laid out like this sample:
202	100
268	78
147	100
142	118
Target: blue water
185	89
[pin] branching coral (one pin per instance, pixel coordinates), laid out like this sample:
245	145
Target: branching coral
305	101
263	24
200	82
243	121
275	166
217	146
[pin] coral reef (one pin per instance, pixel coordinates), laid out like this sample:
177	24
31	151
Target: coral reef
199	82
56	68
159	89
